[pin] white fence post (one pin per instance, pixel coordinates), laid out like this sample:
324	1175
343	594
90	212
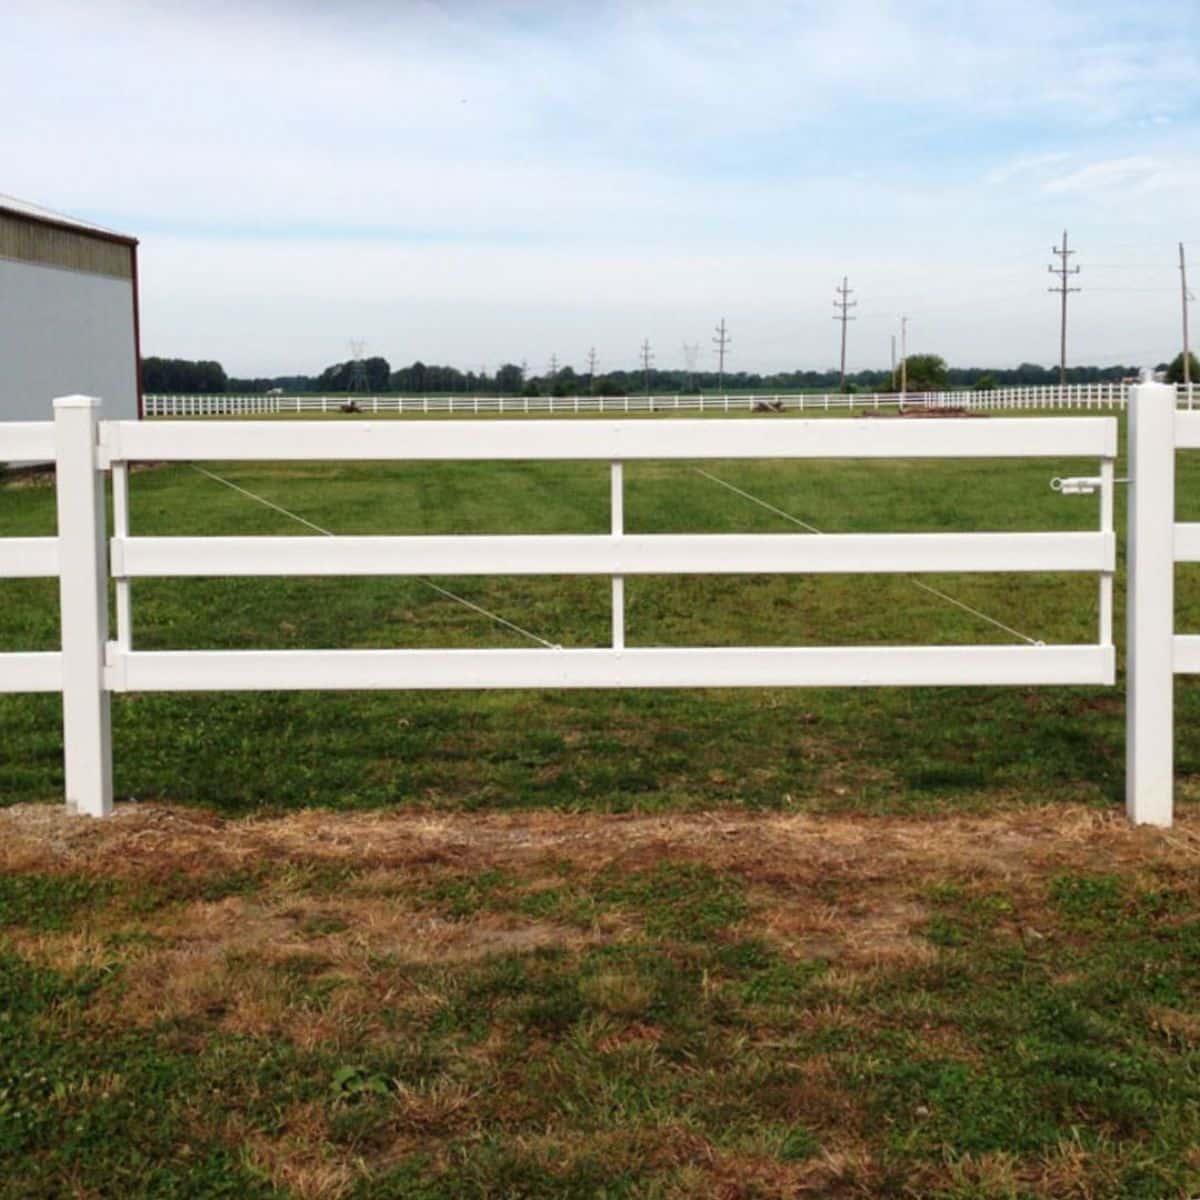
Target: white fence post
1150	670
83	602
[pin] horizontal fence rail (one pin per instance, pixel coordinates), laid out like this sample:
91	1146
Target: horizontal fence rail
27	441
85	556
655	667
1078	396
29	558
599	554
601	441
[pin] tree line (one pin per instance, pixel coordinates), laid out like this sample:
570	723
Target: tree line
926	372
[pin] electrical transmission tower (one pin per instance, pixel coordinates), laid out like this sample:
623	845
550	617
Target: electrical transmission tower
554	366
647	359
1064	271
691	356
721	342
358	368
844	304
591	368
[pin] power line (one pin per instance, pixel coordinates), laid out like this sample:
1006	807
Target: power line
721	341
844	304
1063	270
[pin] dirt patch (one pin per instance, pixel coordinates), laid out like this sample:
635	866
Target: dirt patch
918	411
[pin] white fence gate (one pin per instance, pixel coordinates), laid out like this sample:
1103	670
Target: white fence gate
90	666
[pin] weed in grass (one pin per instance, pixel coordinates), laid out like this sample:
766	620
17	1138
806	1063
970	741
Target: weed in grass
797	1144
682	900
351	1083
322	924
1087	898
48	902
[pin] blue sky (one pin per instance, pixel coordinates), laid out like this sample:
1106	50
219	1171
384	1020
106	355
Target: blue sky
468	182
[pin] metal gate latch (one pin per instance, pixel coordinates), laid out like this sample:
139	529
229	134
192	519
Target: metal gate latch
1076	485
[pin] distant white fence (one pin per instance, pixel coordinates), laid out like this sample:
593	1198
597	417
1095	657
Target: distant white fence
1079	397
90	666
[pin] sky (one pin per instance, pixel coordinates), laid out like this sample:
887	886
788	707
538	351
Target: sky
473	183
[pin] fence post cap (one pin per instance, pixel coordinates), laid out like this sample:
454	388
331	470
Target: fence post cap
77	402
1152	387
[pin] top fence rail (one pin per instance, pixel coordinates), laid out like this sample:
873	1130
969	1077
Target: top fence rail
134	441
1075	397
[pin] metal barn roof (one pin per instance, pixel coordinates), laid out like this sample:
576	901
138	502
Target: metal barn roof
46	216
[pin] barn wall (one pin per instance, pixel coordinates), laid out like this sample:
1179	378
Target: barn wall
64	331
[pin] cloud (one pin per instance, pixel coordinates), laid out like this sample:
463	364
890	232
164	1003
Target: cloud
1134	174
475	171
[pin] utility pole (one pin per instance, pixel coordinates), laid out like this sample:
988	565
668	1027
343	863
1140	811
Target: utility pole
903	360
691	355
592	369
721	341
1063	271
893	360
647	359
844	304
1185	296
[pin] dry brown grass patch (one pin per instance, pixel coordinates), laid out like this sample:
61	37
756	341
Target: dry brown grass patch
840	888
227	961
300	1158
780	851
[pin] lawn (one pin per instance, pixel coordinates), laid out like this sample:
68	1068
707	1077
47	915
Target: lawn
896	942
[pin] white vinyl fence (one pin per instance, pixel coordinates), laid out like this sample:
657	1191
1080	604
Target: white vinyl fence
1156	653
1074	397
90	666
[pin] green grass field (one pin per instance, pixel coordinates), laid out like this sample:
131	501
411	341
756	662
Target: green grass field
759	943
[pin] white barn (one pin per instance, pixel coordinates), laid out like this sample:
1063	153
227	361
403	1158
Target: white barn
68	314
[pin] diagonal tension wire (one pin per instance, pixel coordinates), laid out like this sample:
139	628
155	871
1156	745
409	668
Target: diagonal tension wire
755	500
925	587
420	578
